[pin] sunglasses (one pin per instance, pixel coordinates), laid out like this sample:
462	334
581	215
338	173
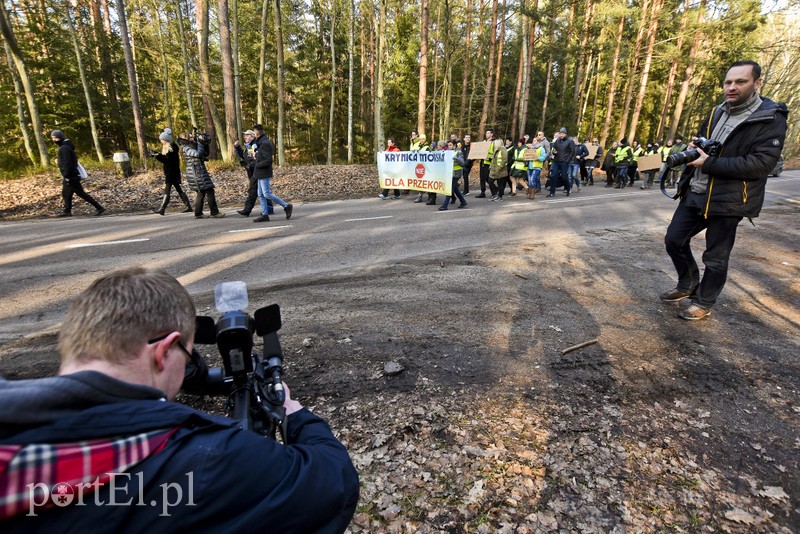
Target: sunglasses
180	345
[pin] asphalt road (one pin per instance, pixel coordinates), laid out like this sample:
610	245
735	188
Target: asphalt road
44	263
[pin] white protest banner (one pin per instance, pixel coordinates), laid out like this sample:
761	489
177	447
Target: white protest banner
419	171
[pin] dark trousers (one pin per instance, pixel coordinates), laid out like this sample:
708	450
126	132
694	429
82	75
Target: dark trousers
167	192
456	193
611	172
74	187
252	195
559	170
200	198
720	237
467	170
498	186
484	177
633	172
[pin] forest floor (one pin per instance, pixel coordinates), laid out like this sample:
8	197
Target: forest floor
661	425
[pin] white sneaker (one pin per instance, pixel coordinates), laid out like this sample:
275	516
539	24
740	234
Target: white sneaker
381	197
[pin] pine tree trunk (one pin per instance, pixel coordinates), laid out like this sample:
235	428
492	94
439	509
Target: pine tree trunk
262	63
228	85
281	68
582	64
655	12
526	86
517	106
186	68
473	82
237	75
613	85
549	77
435	73
30	96
18	91
499	67
490	75
687	77
333	83
673	71
633	72
164	68
423	68
567	39
350	51
82	72
465	64
378	106
103	36
213	124
138	124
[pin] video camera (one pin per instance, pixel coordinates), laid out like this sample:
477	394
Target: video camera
253	382
709	146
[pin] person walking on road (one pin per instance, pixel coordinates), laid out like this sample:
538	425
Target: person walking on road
71	178
171	159
263	173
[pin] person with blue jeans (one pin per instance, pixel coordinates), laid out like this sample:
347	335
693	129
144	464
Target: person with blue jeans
575	165
563	154
458	166
262	171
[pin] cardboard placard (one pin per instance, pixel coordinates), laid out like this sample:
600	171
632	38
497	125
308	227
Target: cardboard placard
592	151
479	150
530	154
648	163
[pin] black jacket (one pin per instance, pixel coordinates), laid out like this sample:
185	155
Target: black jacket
230	480
563	150
738	175
67	160
196	172
263	166
172	165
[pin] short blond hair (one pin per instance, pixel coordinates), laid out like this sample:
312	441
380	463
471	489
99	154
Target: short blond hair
119	312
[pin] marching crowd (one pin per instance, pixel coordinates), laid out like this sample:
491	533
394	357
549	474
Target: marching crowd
528	163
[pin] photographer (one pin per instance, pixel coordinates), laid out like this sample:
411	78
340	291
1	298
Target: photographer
172	171
195	150
717	191
119	456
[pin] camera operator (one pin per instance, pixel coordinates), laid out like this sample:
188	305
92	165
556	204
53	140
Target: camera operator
716	192
119	456
171	160
195	150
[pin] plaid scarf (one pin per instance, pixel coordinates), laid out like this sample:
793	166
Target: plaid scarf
46	473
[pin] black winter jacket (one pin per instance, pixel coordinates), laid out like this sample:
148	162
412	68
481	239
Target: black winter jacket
738	175
208	476
563	150
172	165
263	165
68	161
196	172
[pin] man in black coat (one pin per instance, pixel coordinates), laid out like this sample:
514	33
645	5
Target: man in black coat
716	192
262	171
563	150
71	185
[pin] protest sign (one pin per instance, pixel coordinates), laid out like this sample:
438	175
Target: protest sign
529	154
592	151
648	163
418	171
479	150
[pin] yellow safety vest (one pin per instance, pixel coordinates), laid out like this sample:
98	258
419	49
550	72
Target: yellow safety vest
536	164
456	166
623	154
638	152
519	162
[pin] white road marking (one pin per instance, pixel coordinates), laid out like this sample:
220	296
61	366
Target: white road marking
260	229
101	243
370	218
